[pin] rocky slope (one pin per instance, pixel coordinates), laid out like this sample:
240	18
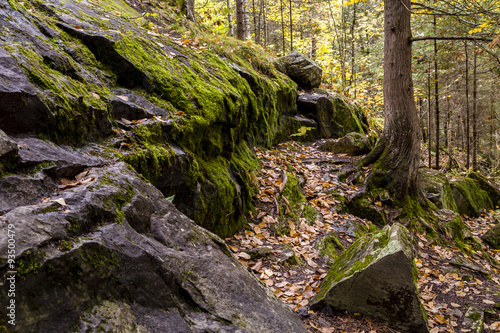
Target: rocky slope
106	108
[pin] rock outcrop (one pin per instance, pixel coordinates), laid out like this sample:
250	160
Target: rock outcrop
304	71
335	117
75	73
376	277
111	253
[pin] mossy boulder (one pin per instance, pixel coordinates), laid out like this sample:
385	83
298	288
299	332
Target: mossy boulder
452	227
436	187
471	200
376	276
329	247
489	186
353	144
365	205
492	236
335	117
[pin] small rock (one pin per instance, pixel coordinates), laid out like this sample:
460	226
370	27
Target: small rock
353	144
260	252
7	145
492	236
474	320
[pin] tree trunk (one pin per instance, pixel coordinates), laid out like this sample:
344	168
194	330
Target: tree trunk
429	116
436	96
291	27
242	21
397	154
474	115
467	111
187	8
230	19
259	23
353	50
282	26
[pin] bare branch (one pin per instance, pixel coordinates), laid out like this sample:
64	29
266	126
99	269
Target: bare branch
475	38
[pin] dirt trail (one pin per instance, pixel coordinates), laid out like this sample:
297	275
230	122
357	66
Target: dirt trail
280	248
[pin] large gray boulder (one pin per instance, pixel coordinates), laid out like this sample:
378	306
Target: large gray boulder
304	71
113	254
376	277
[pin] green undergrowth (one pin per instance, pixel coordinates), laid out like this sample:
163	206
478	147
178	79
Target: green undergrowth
297	206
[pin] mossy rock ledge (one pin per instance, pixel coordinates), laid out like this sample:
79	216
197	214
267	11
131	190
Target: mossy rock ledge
376	276
182	111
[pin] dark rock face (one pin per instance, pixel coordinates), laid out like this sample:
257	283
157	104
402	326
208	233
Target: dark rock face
304	71
73	76
114	254
335	117
375	277
65	163
21	110
21	190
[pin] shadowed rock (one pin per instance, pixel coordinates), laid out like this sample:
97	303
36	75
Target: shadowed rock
82	267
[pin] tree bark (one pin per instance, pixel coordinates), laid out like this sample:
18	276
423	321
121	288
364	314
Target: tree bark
242	22
397	154
187	8
429	116
467	110
291	27
282	26
230	19
474	114
436	96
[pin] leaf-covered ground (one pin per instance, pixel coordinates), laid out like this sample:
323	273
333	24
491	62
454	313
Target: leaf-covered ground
279	247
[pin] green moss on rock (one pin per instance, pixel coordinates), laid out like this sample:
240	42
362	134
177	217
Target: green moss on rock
470	199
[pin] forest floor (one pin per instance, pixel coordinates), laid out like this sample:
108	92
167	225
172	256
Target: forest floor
282	254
